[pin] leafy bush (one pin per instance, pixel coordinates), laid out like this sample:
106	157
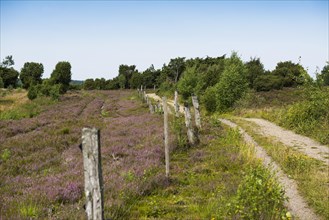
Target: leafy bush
268	82
209	99
310	116
32	93
188	83
259	196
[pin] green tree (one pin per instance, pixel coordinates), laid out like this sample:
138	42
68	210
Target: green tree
177	67
89	84
187	85
232	84
126	71
136	80
323	77
122	81
31	74
292	74
62	75
254	69
8	74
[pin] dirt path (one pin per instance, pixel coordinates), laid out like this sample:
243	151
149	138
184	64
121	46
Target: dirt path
296	203
170	102
289	138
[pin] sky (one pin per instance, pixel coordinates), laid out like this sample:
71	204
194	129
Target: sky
97	36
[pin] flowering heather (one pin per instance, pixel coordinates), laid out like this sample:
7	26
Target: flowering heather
45	166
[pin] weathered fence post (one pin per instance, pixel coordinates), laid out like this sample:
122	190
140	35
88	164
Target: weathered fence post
166	138
151	108
176	104
196	111
92	165
144	96
190	134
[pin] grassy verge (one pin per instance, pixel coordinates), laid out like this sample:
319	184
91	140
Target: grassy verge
304	110
218	179
311	175
15	105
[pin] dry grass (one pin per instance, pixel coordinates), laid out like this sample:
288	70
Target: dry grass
12	99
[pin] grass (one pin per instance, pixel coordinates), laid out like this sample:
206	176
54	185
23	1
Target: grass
303	110
311	175
15	105
209	181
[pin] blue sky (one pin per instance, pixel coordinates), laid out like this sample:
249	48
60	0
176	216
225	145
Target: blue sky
97	36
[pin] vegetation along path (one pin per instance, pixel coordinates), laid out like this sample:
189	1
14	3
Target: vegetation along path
289	138
296	203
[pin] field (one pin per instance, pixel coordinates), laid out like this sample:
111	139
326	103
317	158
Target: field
41	168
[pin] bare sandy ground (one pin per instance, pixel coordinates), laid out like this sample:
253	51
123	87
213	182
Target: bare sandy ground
289	138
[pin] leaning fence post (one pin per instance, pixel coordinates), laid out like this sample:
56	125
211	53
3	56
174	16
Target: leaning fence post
166	141
196	111
176	104
92	164
151	108
190	133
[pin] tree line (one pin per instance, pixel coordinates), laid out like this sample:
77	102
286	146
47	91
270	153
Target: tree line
219	81
30	78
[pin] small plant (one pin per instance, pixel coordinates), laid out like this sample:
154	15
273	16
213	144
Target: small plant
259	196
5	155
29	210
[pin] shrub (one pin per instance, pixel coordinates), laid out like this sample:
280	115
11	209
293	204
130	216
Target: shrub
209	99
268	82
32	93
259	196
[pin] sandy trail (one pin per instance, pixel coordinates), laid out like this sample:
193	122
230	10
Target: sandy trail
296	203
170	102
289	138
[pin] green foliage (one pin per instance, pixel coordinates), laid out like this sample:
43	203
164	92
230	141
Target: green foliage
5	155
176	68
1	83
122	81
179	129
232	84
323	77
254	69
32	92
310	115
62	75
259	196
188	83
9	76
136	80
31	74
209	99
29	210
292	74
268	82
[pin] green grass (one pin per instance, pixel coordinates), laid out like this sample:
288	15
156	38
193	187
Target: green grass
27	110
311	175
210	182
303	110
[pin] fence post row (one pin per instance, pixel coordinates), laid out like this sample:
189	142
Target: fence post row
166	138
93	173
196	111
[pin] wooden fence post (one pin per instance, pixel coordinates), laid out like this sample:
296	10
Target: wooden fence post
91	150
166	138
176	106
190	134
151	108
196	111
